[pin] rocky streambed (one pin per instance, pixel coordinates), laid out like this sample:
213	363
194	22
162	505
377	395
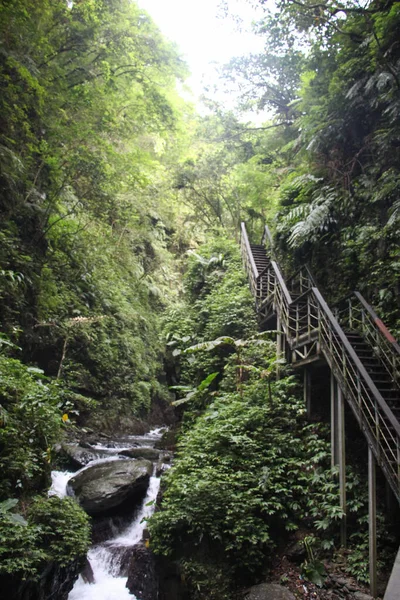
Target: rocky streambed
117	483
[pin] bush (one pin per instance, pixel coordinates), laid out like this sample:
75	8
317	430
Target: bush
31	419
243	476
57	531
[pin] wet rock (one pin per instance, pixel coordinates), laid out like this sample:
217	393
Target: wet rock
163	464
120	557
85	444
77	456
87	573
142	576
361	596
54	582
107	527
146	453
269	591
108	485
167	441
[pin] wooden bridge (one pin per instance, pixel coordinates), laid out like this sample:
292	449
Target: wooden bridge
364	361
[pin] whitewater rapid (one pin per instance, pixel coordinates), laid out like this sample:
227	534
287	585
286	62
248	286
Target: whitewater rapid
104	558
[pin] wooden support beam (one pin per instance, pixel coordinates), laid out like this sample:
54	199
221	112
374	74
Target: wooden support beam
372	522
279	346
342	465
393	587
334	431
338	450
307	390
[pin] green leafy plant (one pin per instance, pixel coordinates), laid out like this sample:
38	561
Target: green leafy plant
312	569
192	393
57	530
5	509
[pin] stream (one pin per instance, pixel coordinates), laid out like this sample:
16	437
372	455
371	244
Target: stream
106	558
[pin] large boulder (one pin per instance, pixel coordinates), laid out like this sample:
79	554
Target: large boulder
269	591
105	486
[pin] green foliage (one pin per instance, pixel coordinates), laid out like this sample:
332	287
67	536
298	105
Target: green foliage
219	306
31	420
357	560
243	476
223	306
20	549
89	114
312	569
208	579
5	510
57	531
64	528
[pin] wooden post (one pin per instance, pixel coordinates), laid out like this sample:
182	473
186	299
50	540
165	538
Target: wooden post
279	346
307	390
342	464
334	437
372	522
338	449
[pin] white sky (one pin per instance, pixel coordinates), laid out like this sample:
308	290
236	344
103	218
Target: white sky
204	36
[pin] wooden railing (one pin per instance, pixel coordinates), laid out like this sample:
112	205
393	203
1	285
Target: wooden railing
359	316
305	317
249	263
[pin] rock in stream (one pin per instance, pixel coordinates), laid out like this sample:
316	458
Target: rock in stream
105	486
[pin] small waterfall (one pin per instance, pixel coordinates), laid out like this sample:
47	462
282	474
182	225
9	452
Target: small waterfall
106	558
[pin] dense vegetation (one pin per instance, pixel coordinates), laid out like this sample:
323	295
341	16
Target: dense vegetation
89	113
335	94
250	470
119	272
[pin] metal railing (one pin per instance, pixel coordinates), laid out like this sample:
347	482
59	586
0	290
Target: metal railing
304	317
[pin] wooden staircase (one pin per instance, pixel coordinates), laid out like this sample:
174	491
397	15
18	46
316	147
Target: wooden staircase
363	356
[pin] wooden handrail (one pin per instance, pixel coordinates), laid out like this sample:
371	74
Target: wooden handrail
316	319
309	275
282	283
267	236
361	317
379	324
248	248
360	367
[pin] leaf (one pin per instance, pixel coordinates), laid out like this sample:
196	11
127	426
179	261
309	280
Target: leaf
207	346
206	382
181	388
185	399
16	518
8	504
35	370
315	572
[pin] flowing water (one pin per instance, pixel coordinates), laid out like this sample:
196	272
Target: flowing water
105	558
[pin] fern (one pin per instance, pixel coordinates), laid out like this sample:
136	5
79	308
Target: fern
317	220
394	213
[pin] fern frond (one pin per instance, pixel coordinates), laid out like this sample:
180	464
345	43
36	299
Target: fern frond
394	213
318	220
